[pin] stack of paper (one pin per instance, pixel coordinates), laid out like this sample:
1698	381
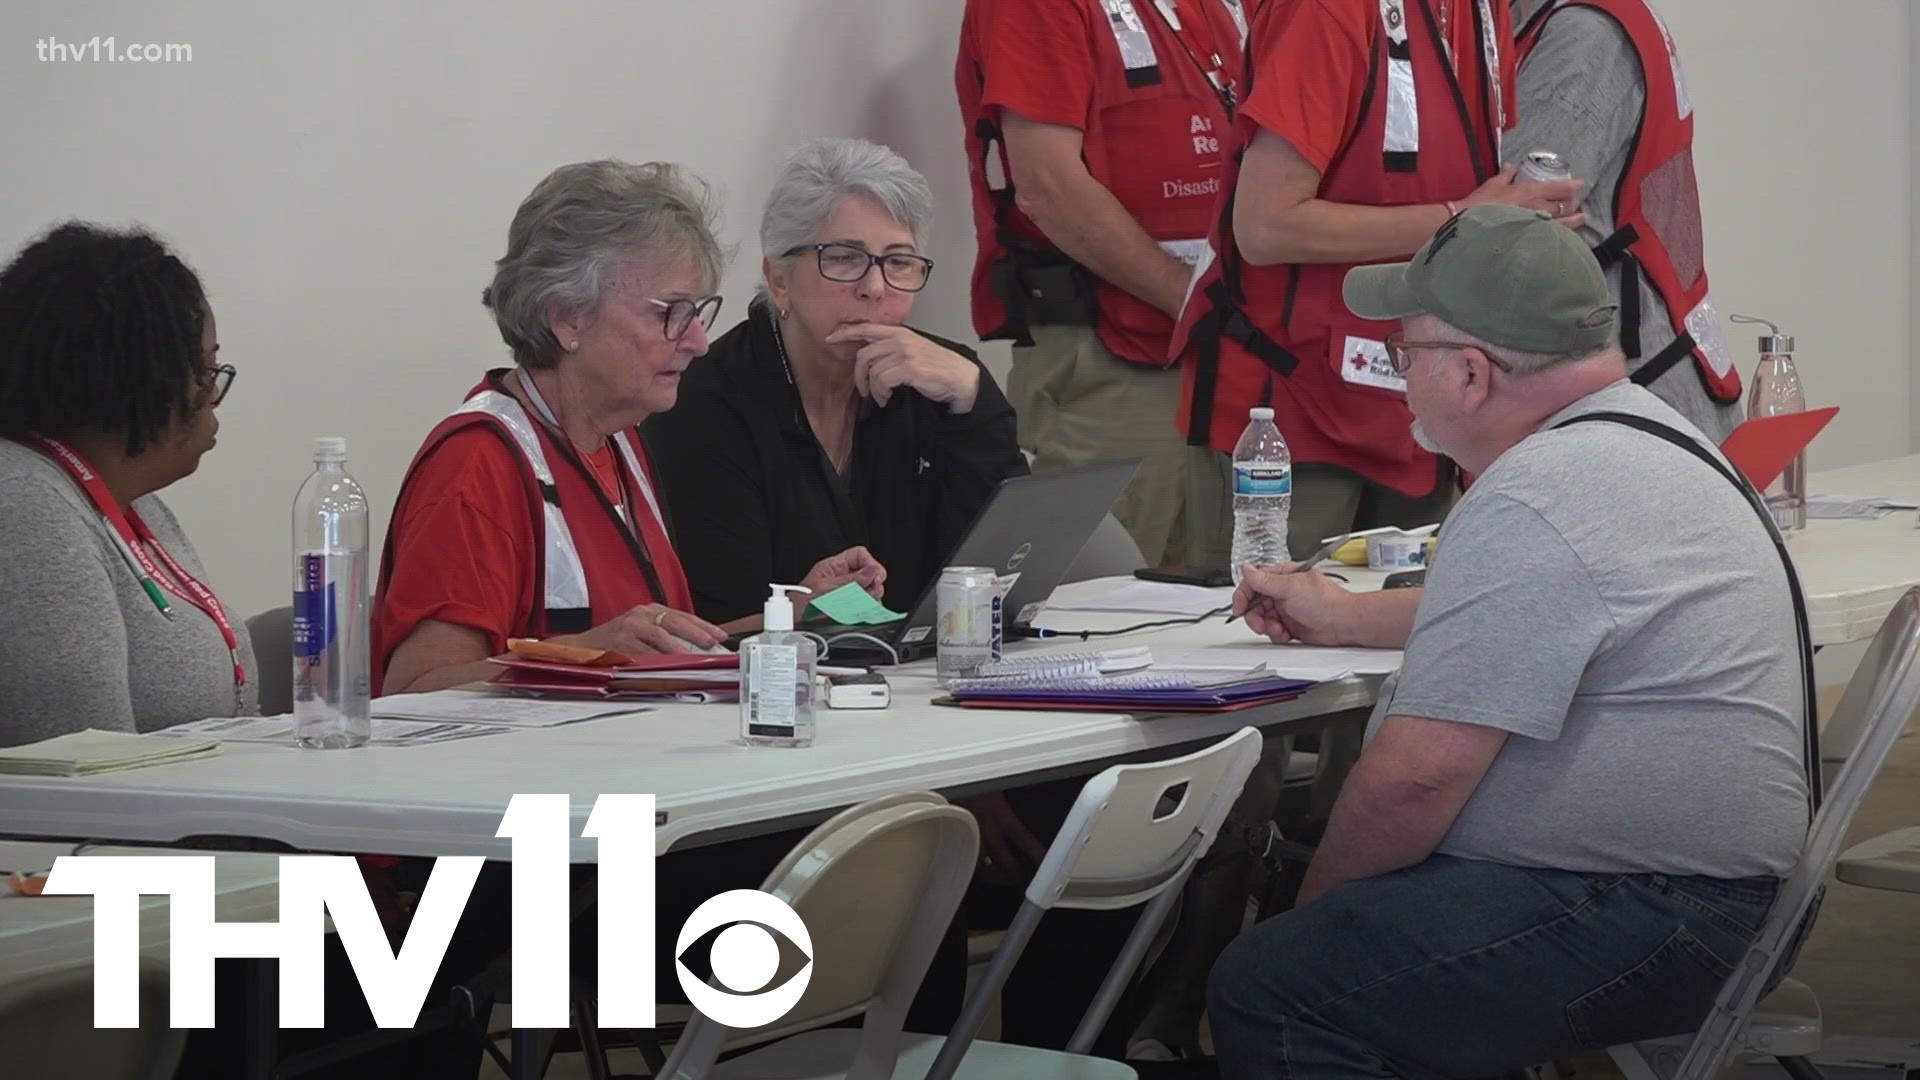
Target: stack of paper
1835	507
466	706
1152	598
280	730
1313	662
86	753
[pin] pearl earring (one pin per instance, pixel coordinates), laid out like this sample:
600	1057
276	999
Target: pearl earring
573	346
784	313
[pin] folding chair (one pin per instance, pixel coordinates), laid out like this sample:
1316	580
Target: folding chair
46	1023
1879	699
877	886
1117	849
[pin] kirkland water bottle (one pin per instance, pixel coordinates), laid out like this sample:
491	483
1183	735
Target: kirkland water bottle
332	684
1776	390
1262	493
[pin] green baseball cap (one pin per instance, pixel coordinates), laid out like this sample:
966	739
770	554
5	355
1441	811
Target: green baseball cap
1506	275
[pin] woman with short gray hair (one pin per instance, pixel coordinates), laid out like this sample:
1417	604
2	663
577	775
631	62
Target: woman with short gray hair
823	421
531	511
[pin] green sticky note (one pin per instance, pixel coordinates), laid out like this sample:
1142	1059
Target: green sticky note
849	605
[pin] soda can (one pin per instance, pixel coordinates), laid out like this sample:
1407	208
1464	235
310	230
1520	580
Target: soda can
1542	166
968	611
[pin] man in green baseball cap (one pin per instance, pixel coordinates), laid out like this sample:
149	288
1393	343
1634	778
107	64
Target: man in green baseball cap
1521	303
1595	745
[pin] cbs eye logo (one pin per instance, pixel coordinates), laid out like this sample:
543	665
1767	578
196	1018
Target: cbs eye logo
745	958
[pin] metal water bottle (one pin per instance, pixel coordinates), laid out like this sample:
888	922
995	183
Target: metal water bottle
1776	390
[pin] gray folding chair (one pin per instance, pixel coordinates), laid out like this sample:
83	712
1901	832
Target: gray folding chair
46	1024
272	634
1882	695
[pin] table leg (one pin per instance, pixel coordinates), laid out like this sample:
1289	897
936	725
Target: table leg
263	1021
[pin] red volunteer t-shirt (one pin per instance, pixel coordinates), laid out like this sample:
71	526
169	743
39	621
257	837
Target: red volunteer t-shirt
463	546
1314	58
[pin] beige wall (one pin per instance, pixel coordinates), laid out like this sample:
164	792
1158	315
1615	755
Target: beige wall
342	175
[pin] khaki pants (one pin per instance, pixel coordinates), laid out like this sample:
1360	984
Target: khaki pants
1078	404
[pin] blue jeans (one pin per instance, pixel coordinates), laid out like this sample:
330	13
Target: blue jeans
1459	968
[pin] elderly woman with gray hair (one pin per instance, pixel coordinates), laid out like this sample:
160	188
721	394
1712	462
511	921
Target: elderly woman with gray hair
532	510
822	421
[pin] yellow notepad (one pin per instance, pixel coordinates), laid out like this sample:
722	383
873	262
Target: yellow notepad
85	753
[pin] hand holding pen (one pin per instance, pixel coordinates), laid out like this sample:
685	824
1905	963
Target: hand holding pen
1286	603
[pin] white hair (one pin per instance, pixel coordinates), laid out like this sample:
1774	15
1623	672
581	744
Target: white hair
578	227
815	178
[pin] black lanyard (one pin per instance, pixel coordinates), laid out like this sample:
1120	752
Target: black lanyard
629	530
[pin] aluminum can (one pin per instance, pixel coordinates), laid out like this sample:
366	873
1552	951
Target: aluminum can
1542	166
968	615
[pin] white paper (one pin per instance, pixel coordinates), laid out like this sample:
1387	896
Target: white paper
280	729
508	710
1836	508
1151	598
1313	662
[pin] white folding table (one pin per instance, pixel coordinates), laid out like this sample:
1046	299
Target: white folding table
1853	571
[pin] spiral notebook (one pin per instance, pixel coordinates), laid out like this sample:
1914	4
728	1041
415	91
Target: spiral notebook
1121	680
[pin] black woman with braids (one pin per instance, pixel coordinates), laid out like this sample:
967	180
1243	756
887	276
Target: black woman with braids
109	379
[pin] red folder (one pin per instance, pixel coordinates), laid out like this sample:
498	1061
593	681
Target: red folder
636	666
1763	447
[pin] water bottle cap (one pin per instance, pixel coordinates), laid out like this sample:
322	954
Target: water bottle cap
330	448
1260	414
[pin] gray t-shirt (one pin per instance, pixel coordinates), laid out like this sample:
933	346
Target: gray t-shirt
1581	93
81	646
1619	608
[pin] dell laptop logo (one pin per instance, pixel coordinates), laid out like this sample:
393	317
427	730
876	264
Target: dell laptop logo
1019	556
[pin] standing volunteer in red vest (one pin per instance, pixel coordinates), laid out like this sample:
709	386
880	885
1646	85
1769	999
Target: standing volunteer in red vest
1601	85
1365	125
532	510
1093	146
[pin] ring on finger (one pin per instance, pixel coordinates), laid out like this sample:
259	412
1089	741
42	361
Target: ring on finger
662	617
1559	209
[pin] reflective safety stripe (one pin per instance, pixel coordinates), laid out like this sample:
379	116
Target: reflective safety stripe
566	584
1136	48
1403	102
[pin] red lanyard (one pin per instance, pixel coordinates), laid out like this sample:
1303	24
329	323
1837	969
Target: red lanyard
137	540
1208	58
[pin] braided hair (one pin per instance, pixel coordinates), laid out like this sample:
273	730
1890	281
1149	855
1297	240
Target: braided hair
99	331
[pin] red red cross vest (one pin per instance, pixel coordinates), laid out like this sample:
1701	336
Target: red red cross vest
1281	335
1153	140
1656	209
589	566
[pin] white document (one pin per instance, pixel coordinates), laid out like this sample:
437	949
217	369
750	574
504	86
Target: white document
1835	507
1152	598
507	710
280	730
1313	662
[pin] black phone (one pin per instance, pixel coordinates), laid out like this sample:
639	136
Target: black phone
1185	575
1406	579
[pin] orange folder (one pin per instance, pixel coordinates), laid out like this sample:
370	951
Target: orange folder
1763	447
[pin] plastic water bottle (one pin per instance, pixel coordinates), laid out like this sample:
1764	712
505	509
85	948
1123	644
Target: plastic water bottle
1776	390
1262	493
332	682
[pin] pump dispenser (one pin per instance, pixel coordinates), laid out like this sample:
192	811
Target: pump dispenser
777	677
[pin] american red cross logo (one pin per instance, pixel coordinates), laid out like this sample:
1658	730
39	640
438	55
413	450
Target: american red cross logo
1359	362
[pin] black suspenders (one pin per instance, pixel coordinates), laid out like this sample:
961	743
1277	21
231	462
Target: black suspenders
1802	627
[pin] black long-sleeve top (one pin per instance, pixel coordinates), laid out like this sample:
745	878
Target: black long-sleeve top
753	499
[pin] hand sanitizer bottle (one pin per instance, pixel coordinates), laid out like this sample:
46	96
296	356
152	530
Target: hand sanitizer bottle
776	678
